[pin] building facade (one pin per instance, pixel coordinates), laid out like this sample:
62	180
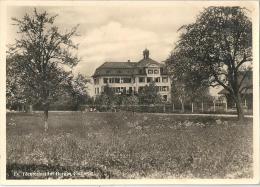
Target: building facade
131	77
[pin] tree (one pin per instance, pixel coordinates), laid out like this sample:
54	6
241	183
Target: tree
130	102
41	54
107	98
149	94
14	90
187	86
216	48
77	89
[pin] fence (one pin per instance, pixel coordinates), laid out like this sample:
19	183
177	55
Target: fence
203	107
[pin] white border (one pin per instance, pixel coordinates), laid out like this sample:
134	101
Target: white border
255	20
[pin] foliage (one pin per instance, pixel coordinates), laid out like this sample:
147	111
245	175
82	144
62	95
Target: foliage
41	54
14	89
131	100
187	85
78	90
216	48
149	95
107	98
147	146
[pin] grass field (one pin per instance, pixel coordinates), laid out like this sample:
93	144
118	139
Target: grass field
123	145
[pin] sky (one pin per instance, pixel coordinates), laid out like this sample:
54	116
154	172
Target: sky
118	31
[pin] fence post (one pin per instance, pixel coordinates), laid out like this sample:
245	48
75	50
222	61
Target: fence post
192	107
202	109
30	108
164	108
173	107
226	106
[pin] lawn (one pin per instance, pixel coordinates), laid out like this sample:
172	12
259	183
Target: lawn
125	145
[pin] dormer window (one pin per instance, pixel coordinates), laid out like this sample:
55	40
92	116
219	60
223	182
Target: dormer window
150	71
156	71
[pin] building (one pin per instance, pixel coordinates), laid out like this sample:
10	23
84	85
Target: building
246	91
131	77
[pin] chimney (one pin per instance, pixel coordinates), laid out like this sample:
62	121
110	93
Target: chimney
128	61
146	54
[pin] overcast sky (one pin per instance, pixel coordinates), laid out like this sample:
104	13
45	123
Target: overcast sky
113	31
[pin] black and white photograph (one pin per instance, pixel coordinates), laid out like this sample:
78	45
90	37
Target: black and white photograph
140	92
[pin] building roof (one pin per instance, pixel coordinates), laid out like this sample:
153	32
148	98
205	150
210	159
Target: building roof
117	65
127	68
145	62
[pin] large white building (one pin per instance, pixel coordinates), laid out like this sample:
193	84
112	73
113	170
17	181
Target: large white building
130	77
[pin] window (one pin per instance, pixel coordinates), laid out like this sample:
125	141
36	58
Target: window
97	90
130	90
96	81
165	88
141	79
156	71
111	80
165	97
105	80
123	89
150	71
157	79
149	79
119	71
117	80
107	71
126	80
117	89
165	79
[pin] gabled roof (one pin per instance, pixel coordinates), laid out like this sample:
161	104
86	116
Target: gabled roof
128	68
147	62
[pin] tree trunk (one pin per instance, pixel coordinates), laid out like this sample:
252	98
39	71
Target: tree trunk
182	106
240	110
46	125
